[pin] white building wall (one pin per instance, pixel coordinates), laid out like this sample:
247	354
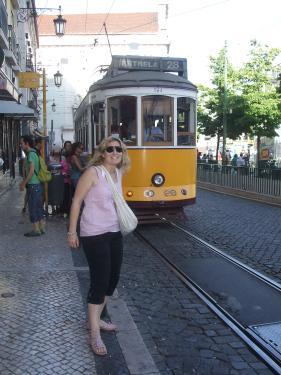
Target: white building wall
76	57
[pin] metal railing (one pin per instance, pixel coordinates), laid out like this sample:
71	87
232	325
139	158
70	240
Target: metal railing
256	180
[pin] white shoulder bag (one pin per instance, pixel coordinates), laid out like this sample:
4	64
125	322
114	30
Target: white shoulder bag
127	219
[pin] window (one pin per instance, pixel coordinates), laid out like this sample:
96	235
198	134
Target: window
122	118
186	118
98	121
157	120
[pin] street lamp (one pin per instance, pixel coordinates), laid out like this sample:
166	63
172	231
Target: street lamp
54	106
24	14
59	24
58	79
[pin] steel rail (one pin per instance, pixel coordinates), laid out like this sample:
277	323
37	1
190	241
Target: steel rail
228	257
263	351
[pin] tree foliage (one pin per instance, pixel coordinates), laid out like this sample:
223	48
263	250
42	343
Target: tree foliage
253	98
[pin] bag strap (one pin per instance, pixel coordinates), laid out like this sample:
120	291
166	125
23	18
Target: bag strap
116	194
38	162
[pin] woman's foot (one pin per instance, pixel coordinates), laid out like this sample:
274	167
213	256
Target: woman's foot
97	344
104	326
107	326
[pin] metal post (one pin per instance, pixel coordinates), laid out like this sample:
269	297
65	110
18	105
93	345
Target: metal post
224	115
44	134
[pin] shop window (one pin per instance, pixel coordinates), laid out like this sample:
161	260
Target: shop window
157	120
122	118
186	118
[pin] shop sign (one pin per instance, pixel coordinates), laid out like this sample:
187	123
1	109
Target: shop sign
29	80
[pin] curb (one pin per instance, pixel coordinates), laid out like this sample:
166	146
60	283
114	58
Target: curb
274	201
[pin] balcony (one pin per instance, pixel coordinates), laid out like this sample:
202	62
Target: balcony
12	53
3	27
10	57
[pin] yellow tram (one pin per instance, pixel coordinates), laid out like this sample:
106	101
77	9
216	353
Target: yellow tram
149	103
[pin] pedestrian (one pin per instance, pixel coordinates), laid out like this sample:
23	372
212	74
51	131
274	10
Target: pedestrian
234	164
34	188
240	161
99	231
76	165
66	166
240	164
56	185
66	151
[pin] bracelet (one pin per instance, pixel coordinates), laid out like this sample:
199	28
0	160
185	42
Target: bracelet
72	233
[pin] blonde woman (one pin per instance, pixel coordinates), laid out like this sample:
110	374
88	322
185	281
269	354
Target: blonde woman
99	231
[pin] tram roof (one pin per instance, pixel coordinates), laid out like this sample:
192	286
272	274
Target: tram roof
143	79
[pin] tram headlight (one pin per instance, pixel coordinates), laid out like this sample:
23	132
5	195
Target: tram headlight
129	194
158	179
149	193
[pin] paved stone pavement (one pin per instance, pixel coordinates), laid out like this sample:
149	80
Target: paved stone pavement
245	229
42	326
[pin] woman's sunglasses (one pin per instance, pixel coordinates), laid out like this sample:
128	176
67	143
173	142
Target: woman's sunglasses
110	149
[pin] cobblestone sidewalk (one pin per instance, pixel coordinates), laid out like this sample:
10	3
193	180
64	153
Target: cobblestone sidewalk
42	326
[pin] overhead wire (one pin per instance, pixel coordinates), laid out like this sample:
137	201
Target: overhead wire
172	16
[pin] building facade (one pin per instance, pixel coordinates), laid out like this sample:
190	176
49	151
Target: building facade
84	53
18	44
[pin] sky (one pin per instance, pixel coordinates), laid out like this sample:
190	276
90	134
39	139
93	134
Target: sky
198	28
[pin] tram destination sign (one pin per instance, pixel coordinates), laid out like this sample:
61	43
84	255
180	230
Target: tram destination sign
160	64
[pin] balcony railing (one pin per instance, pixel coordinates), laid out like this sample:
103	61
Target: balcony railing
13	45
3	19
265	180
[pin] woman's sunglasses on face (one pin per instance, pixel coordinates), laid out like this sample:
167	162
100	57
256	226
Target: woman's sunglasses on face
110	149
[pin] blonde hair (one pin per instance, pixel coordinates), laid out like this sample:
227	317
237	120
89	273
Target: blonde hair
98	157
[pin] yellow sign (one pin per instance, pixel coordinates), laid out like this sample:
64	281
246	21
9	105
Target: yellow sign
29	80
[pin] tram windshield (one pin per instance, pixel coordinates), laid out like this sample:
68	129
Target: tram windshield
157	120
186	120
122	114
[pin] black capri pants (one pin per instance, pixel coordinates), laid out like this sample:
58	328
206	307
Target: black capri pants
104	254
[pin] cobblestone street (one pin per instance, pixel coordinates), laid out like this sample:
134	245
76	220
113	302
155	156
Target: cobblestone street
245	229
164	328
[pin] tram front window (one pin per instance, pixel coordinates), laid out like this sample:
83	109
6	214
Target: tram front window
186	119
157	120
122	114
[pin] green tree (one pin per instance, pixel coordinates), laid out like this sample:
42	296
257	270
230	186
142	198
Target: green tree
261	95
253	98
211	101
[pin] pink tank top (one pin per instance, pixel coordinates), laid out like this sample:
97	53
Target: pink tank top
99	214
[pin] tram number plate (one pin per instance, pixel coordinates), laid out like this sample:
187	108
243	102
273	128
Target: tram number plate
170	193
157	89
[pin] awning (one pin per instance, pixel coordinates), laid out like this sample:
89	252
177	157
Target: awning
12	109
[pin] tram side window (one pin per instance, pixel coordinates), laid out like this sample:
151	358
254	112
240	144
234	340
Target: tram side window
98	115
186	119
122	115
157	120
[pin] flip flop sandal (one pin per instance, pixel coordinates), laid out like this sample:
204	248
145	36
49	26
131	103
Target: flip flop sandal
97	345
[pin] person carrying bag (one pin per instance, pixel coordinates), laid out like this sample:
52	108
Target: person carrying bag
102	220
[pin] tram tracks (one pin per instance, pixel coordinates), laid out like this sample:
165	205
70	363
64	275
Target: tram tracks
255	314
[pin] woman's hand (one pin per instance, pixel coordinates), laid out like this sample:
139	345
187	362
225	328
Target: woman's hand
73	240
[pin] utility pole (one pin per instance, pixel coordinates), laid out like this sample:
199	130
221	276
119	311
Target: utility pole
224	115
43	144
